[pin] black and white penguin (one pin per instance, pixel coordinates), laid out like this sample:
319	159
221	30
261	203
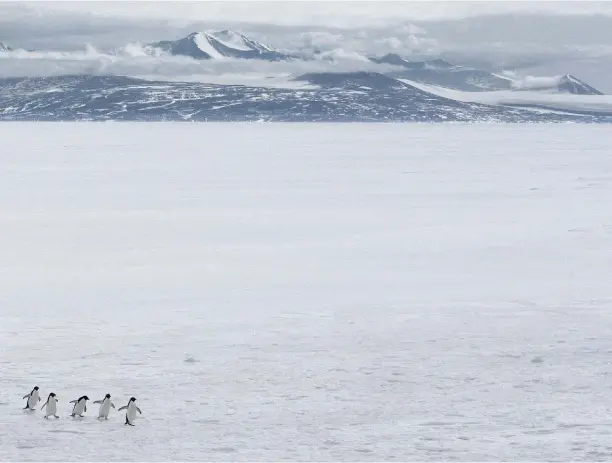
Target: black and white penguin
51	405
80	406
105	406
131	411
33	398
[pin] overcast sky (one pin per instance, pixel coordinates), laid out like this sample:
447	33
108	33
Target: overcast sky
537	37
330	13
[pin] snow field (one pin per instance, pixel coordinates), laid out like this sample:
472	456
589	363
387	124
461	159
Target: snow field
330	292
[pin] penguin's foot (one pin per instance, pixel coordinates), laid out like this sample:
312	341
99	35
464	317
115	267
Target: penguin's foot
56	416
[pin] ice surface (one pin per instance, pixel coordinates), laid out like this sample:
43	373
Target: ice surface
307	291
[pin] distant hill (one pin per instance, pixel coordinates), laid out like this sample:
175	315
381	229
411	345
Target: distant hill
356	80
444	74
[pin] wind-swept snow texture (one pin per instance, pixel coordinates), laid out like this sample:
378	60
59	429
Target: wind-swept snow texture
317	292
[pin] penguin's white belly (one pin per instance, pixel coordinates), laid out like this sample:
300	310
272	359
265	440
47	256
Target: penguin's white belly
33	400
51	408
79	408
104	409
131	413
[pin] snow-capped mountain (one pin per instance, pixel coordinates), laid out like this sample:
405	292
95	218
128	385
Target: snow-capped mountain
4	47
559	84
444	74
350	97
219	45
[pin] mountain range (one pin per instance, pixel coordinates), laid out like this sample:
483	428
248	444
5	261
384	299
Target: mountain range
390	95
231	44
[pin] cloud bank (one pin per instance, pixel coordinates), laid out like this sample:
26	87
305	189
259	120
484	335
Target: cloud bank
136	60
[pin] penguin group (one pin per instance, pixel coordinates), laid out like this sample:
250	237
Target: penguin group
80	406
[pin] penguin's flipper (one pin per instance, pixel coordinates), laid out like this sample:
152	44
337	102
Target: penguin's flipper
138	410
98	402
85	408
73	401
44	405
112	405
122	408
26	396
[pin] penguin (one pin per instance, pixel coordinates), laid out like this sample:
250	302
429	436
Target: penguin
33	398
105	406
131	411
80	406
51	405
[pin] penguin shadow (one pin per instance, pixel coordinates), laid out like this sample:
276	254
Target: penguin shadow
91	420
65	431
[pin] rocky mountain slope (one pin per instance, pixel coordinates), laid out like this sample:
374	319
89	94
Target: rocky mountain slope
347	97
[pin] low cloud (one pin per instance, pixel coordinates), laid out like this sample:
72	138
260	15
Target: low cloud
136	60
535	82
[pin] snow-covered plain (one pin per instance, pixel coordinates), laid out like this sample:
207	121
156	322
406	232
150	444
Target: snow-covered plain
307	291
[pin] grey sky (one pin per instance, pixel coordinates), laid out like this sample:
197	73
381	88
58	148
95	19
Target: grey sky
540	37
314	12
